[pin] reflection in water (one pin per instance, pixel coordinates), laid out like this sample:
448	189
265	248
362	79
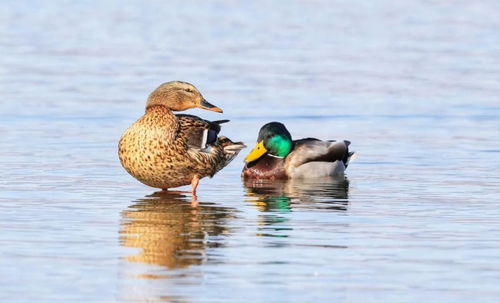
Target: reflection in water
170	231
277	197
282	195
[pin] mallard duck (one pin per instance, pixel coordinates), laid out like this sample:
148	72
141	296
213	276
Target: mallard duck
165	150
277	156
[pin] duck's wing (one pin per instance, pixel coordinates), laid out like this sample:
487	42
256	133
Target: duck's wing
207	152
314	150
199	133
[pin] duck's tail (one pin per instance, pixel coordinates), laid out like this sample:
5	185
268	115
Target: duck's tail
350	155
231	149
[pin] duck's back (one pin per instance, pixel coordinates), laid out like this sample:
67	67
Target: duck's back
313	158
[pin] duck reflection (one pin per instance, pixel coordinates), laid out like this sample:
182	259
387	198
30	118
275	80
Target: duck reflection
282	195
278	197
171	231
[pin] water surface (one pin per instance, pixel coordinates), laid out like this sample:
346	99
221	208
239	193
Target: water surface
413	85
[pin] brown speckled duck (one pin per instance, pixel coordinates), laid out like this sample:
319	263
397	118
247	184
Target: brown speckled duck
165	150
277	156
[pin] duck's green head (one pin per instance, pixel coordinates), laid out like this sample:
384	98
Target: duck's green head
274	139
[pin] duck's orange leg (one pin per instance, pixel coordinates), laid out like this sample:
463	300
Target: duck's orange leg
194	184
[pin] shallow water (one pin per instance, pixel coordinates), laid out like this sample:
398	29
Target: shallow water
414	85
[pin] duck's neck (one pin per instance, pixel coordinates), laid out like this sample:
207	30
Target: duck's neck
158	108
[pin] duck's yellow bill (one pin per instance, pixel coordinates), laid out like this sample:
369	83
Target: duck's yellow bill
256	152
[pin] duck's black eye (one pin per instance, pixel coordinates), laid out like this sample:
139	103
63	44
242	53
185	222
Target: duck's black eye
189	90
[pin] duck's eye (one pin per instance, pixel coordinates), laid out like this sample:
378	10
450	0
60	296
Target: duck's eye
189	90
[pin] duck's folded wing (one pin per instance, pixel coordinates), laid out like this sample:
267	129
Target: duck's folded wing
199	133
314	150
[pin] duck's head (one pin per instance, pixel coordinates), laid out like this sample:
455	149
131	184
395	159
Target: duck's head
177	96
274	139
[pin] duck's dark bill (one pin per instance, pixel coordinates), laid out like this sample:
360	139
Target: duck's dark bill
209	106
258	151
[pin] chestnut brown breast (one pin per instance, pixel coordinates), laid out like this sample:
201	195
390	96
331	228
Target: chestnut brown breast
266	167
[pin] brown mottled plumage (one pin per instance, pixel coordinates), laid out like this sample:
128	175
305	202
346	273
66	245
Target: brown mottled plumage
164	150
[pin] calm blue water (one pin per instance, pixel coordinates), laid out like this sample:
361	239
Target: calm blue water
414	85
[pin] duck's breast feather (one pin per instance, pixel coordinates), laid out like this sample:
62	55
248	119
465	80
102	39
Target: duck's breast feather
267	167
